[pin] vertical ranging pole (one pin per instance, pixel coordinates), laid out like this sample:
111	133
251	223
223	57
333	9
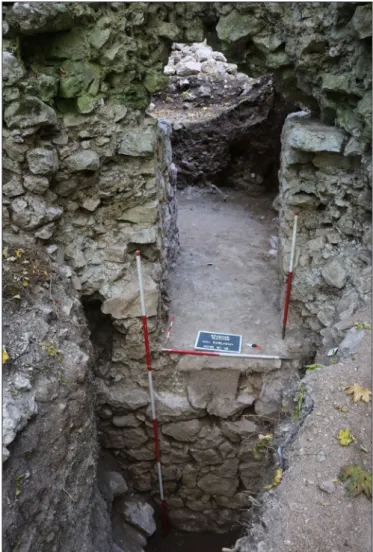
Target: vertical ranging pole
290	276
170	328
149	366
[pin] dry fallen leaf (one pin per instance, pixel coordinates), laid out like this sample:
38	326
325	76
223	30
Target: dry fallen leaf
359	393
343	409
345	437
276	480
5	355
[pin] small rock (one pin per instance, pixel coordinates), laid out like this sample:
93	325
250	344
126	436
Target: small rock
42	161
12	70
91	204
327	486
36	184
67	307
87	160
321	456
204	91
218	56
169	70
334	274
140	515
22	383
203	54
116	483
46	232
184	68
13	187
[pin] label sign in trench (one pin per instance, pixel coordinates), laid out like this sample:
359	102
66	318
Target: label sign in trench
212	341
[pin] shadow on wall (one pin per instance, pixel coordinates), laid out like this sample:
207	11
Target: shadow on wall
101	333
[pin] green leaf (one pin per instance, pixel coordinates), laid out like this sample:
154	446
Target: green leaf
359	481
311	367
262	444
363	326
345	437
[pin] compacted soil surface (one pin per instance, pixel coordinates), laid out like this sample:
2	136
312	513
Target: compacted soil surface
225	281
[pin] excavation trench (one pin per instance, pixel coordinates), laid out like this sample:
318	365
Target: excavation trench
210	411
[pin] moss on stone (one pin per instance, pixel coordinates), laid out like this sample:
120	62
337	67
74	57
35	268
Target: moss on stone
48	87
236	26
71	87
79	77
98	37
72	45
86	104
155	81
133	96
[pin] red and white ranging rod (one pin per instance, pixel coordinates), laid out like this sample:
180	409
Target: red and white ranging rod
290	276
170	328
151	391
210	353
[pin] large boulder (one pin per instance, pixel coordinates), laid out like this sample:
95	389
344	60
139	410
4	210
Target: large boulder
183	431
140	515
313	136
138	142
126	304
12	69
42	17
42	161
235	26
216	485
122	396
31	211
334	274
29	112
85	160
362	21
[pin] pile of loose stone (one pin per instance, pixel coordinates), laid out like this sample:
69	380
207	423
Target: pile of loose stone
200	76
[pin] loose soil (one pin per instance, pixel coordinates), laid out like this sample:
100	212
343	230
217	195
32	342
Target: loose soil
225	280
311	511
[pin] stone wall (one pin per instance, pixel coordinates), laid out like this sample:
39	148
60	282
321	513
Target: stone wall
324	176
210	414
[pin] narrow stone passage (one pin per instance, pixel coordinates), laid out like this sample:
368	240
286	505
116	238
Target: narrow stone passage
225	279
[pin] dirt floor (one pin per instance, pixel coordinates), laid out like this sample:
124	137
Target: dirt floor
225	280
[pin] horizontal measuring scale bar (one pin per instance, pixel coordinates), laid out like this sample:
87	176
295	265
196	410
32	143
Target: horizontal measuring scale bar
239	355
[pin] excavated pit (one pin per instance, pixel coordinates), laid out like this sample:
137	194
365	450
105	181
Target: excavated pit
225	279
109	189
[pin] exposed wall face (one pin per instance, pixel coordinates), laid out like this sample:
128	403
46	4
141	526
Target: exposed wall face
324	176
210	414
238	147
50	495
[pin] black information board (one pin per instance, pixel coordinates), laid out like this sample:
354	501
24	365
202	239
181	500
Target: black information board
213	341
